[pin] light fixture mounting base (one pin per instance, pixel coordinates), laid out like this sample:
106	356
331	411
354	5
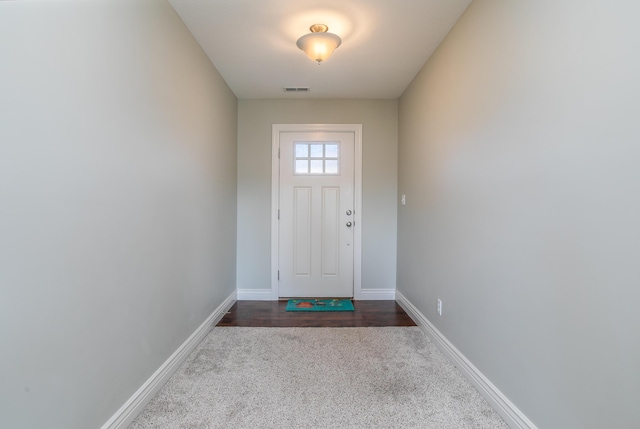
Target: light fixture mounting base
319	28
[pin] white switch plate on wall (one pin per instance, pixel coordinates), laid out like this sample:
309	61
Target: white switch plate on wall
439	307
403	200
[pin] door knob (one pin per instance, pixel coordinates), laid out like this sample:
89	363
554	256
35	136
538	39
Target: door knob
349	212
349	224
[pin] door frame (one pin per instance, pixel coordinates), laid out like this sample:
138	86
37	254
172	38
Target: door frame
356	129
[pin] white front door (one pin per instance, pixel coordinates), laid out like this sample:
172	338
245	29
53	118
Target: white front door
317	219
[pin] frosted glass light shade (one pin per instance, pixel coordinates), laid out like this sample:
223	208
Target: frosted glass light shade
319	45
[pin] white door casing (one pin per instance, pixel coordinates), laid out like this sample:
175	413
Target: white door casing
314	250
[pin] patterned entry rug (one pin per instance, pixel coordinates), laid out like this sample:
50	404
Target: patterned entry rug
319	305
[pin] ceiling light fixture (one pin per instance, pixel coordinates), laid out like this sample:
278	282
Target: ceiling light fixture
319	44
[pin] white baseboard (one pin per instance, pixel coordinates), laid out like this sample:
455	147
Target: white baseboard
129	411
255	295
375	295
362	295
509	412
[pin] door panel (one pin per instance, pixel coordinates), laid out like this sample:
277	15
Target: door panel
316	214
330	231
302	231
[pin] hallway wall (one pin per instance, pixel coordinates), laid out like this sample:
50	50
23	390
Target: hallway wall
519	155
117	203
379	147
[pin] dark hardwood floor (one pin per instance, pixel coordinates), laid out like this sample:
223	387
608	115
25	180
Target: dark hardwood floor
273	314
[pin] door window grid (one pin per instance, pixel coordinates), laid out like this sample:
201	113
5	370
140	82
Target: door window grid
317	158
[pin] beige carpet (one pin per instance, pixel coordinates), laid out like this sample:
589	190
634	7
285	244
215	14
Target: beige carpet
317	378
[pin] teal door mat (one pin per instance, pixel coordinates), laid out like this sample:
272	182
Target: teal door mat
320	305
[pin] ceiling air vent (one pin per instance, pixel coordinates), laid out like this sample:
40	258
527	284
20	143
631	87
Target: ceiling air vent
296	89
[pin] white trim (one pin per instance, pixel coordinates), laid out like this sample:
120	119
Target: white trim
275	188
275	203
376	295
509	412
254	295
130	410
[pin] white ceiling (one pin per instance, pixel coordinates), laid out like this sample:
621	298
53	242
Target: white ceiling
385	43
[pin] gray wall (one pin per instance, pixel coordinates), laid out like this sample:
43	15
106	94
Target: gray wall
379	147
117	203
519	153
